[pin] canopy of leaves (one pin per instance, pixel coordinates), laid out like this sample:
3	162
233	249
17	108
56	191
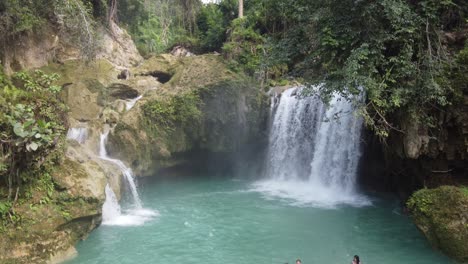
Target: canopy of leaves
396	52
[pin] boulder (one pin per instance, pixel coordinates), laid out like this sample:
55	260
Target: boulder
442	215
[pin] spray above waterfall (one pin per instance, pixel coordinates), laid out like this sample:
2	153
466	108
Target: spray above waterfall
313	151
112	213
79	134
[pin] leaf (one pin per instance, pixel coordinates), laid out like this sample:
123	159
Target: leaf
33	146
28	123
41	123
19	130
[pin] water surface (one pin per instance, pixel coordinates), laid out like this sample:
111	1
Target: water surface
212	221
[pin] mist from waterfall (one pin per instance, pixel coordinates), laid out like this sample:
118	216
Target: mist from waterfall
79	134
313	151
111	211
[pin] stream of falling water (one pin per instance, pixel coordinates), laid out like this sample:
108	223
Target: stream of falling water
313	151
112	213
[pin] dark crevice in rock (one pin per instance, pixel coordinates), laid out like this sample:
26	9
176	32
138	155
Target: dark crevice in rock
162	77
122	91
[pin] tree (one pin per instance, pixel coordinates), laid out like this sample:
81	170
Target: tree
241	8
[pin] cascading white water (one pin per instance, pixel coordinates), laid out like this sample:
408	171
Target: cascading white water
80	134
313	152
127	172
131	103
111	210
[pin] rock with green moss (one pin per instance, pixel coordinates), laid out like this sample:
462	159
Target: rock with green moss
442	215
53	213
204	109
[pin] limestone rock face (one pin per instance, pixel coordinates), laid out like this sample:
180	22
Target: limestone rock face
36	50
415	140
118	47
53	219
442	215
50	227
231	109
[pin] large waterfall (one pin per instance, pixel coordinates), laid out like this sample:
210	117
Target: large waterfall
111	210
314	150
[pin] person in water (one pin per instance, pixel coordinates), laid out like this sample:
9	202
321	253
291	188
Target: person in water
298	261
356	260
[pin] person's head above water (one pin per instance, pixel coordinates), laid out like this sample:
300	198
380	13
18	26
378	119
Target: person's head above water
298	261
356	259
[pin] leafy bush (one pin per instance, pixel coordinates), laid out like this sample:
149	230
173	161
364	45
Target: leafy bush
32	122
212	28
245	46
71	18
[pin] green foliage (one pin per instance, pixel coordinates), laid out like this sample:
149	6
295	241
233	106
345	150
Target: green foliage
73	19
21	16
212	27
245	46
392	51
32	125
422	201
465	191
157	34
5	208
158	25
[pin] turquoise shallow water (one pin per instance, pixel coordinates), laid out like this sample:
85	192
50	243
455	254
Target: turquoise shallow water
223	221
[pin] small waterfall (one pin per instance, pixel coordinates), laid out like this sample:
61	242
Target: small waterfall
127	172
80	134
111	210
131	103
313	152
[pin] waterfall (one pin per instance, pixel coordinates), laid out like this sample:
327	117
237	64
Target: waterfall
126	172
80	134
111	210
313	151
131	103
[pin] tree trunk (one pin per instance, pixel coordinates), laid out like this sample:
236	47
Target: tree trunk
241	8
112	16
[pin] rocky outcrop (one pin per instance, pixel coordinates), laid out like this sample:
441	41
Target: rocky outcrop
35	50
442	215
55	217
225	111
212	111
422	156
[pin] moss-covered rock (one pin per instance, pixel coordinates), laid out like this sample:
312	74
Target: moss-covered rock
442	215
52	214
204	108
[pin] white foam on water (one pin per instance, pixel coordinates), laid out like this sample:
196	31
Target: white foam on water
134	217
302	194
313	152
